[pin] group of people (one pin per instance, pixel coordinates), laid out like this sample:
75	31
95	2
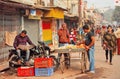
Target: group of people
89	42
66	37
108	41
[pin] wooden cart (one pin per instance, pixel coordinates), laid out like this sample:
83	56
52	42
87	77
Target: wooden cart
82	57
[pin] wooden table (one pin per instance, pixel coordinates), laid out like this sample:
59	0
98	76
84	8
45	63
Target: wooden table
82	56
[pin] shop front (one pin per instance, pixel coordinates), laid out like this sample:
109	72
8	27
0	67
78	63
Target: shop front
10	25
71	20
51	22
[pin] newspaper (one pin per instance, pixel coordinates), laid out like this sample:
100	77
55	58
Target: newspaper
25	47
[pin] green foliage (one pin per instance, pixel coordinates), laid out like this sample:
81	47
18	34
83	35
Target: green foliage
116	15
108	15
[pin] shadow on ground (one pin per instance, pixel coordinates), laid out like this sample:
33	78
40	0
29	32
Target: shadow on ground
98	73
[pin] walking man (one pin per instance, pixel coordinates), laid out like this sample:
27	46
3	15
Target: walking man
109	43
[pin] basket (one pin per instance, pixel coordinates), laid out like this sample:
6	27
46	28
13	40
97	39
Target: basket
43	63
43	71
25	71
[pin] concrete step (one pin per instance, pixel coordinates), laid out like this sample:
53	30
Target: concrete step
4	66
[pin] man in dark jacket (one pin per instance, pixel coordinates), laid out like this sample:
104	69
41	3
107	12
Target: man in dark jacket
20	43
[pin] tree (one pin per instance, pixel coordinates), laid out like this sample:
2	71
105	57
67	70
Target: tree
116	14
108	15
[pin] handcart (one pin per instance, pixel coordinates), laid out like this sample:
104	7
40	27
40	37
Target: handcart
82	57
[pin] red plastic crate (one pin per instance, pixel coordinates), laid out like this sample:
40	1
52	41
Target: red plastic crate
25	71
43	62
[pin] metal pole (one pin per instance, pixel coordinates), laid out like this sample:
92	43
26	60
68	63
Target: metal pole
22	20
3	44
67	4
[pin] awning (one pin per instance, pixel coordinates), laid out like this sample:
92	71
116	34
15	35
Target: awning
14	4
27	2
70	16
49	7
41	8
55	12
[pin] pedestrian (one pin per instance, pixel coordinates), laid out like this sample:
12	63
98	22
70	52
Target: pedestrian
64	39
92	28
97	32
103	31
117	34
109	43
72	36
89	45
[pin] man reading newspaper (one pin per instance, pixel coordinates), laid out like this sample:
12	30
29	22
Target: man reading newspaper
20	43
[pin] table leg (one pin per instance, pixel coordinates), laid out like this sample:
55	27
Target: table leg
64	62
84	62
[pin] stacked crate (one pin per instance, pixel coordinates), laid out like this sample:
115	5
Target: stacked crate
25	71
43	66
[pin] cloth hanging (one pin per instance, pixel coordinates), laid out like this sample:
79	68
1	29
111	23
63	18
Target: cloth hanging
9	37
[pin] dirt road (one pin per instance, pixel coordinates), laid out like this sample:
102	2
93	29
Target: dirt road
103	69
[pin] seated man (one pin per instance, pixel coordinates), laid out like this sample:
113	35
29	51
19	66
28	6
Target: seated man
20	43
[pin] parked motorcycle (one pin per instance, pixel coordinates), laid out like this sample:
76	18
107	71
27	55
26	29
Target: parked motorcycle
41	50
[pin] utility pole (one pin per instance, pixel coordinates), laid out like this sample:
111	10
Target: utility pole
68	8
67	4
39	2
80	12
51	2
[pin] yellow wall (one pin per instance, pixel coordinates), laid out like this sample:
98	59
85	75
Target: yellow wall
55	13
47	34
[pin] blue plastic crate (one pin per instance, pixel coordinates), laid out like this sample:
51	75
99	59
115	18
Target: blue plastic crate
43	71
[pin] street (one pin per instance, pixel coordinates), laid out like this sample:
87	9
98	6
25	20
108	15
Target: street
57	23
103	69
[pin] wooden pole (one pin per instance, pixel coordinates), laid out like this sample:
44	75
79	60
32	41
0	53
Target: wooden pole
80	12
51	2
39	2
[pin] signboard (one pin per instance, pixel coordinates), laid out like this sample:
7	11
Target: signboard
35	14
